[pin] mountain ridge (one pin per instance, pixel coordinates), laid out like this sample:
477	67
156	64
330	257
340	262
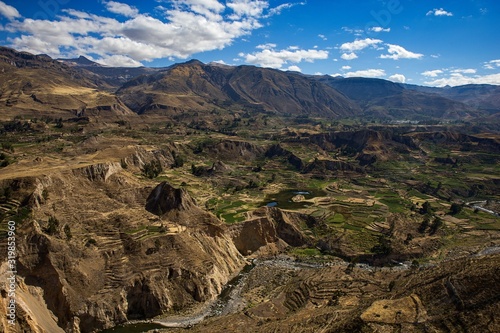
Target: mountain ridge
196	86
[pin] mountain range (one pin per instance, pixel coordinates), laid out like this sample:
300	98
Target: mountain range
38	83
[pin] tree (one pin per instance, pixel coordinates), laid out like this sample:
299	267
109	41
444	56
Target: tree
424	225
59	123
436	225
152	169
455	208
383	247
426	208
53	226
178	160
67	231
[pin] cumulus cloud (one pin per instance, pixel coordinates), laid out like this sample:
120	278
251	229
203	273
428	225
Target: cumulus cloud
397	52
188	27
349	49
464	71
439	12
398	78
346	68
122	9
266	46
247	8
8	11
359	44
433	73
118	60
349	56
366	73
458	79
269	57
294	68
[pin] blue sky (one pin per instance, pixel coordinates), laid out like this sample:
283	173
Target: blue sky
425	42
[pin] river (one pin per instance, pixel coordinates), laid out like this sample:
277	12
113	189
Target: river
230	300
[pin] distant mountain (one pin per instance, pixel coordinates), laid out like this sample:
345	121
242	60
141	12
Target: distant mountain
30	84
113	76
197	86
37	82
385	99
80	61
363	90
485	97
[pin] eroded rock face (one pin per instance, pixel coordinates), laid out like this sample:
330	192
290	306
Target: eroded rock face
165	198
99	172
110	260
268	227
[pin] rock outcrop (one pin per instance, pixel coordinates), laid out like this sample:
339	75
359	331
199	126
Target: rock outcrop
165	199
97	264
268	229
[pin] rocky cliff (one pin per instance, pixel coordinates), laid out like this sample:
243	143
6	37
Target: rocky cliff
95	263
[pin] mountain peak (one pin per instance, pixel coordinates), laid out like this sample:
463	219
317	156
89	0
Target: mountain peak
194	62
81	61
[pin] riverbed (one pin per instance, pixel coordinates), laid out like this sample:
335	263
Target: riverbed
231	301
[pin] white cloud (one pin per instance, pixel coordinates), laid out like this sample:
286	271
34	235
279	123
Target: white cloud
356	32
458	79
346	68
35	45
464	71
8	11
122	9
349	56
492	64
439	12
266	46
366	73
210	9
397	52
277	10
433	73
359	44
323	37
118	60
294	68
277	59
188	27
398	78
247	8
380	29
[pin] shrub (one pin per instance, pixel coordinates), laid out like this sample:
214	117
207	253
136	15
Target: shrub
178	161
455	208
152	169
67	231
53	226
